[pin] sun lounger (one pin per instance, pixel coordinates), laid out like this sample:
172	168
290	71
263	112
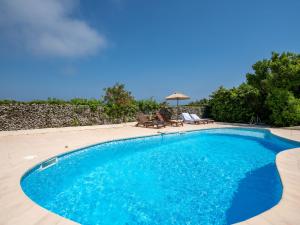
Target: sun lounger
169	121
206	120
159	120
143	120
196	118
209	120
187	118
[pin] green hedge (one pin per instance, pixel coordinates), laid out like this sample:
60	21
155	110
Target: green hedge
271	92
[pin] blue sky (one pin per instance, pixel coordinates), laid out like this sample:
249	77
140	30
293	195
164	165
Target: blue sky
73	48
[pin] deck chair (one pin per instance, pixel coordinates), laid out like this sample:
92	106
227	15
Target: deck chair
187	118
169	120
160	120
196	118
143	120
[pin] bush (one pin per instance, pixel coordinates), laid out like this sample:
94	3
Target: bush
234	105
7	102
147	106
51	101
271	92
92	103
205	107
119	103
202	103
284	107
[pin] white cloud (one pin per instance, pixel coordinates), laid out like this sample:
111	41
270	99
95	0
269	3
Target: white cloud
47	27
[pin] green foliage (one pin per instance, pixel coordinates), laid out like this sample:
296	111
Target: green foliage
204	105
147	106
284	107
75	122
92	103
51	101
271	92
201	102
234	105
7	102
119	103
118	95
164	104
281	71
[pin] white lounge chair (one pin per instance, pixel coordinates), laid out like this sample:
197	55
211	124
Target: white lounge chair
196	118
201	120
187	118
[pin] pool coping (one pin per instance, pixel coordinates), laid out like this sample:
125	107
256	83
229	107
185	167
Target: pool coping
16	207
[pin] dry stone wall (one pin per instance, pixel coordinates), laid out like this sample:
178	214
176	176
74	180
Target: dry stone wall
33	116
188	109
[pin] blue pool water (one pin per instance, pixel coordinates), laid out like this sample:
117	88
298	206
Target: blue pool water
217	176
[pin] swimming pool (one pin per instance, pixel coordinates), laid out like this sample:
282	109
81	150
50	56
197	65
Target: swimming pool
216	176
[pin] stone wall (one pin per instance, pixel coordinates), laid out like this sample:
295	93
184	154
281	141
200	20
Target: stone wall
172	111
33	116
188	109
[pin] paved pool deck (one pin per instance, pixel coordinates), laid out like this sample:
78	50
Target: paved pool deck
21	150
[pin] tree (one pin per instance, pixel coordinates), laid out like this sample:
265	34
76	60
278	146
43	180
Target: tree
234	105
282	71
119	103
219	104
284	107
271	92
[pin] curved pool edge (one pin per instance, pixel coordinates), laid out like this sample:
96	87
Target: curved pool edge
288	208
19	208
274	215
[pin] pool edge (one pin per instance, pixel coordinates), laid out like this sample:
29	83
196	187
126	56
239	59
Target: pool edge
249	221
285	212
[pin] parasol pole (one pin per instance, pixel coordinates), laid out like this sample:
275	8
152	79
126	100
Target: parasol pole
177	109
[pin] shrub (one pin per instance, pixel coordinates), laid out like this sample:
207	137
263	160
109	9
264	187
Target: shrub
205	106
51	101
202	102
92	103
285	108
234	105
119	103
147	106
271	92
7	101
